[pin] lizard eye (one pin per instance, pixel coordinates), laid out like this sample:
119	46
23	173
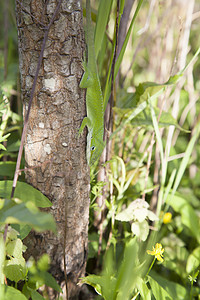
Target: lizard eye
93	148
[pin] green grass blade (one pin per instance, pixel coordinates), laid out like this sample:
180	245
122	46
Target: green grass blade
169	186
186	158
191	61
102	20
157	131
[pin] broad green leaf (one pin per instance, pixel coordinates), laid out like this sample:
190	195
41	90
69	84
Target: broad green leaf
24	192
15	269
158	291
23	229
143	289
43	262
130	270
36	296
188	215
7	168
175	290
106	282
40	278
13	213
193	260
12	234
188	193
50	281
12	294
14	248
26	290
95	281
147	90
109	276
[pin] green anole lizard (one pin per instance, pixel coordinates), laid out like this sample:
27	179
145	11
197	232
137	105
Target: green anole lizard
94	98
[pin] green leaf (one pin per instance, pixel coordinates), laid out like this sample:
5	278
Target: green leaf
50	281
14	248
193	260
148	89
2	147
7	168
105	283
188	215
175	290
36	296
126	282
23	229
43	262
174	79
143	289
108	276
24	192
12	294
2	139
15	269
158	292
12	234
39	278
95	281
13	213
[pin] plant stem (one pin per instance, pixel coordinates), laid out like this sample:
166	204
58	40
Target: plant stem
150	267
191	290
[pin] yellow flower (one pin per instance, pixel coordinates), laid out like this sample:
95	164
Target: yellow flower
167	218
157	252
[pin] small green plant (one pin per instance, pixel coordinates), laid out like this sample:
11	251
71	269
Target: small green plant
22	214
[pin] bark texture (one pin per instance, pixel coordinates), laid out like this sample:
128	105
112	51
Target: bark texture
55	157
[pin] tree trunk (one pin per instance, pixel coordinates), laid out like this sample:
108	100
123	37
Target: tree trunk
55	157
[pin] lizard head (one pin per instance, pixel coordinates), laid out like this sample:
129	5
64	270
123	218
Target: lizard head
94	148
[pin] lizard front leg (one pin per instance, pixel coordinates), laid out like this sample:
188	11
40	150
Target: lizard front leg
86	122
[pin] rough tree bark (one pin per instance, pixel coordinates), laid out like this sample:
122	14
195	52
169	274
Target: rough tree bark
55	158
